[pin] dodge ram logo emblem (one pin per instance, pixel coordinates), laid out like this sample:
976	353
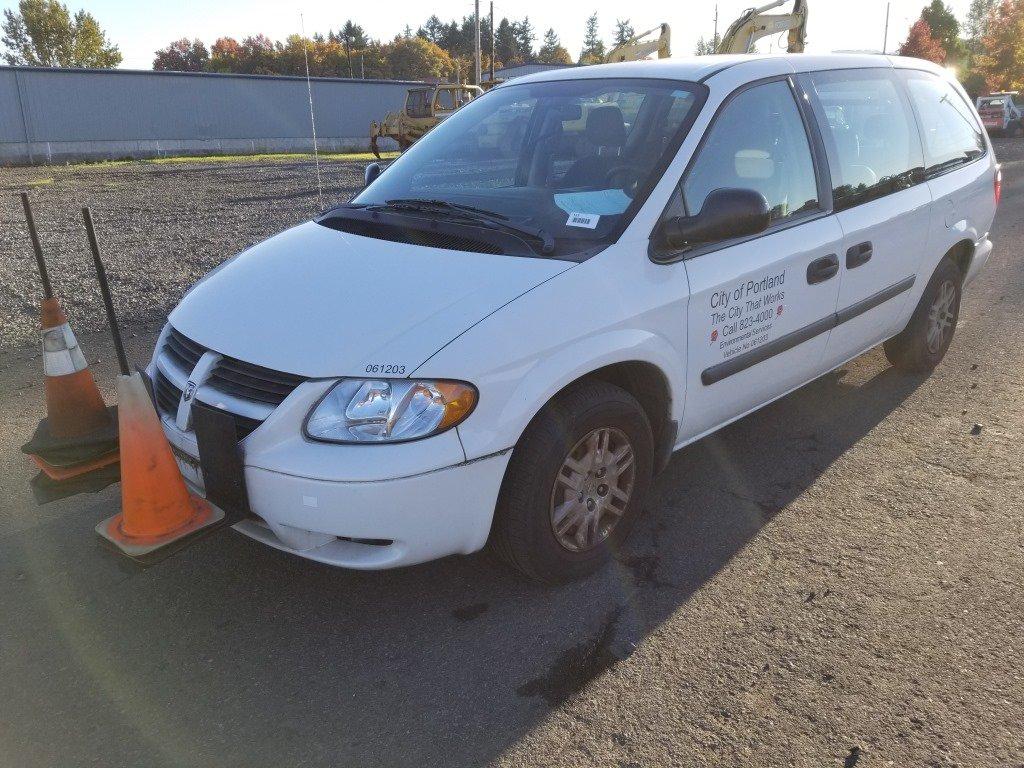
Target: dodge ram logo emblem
190	390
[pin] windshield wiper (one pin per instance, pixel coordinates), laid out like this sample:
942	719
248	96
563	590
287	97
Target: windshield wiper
472	213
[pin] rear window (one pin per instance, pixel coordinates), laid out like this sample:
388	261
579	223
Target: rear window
870	132
952	135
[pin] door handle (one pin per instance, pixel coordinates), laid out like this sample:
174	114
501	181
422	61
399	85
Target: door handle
820	270
858	254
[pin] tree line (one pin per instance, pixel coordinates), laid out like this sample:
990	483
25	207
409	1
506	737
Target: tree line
437	49
45	33
987	51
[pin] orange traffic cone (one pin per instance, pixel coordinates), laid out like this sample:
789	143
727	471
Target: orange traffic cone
77	436
156	507
74	405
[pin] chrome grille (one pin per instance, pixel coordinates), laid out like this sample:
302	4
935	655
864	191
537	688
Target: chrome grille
259	389
168	395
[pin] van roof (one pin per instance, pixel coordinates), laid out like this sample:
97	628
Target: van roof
695	68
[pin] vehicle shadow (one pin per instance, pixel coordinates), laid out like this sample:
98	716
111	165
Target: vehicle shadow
235	654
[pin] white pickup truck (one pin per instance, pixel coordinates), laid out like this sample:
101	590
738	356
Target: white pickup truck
1001	114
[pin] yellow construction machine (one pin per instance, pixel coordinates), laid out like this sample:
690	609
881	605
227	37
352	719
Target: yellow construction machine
643	45
425	107
754	23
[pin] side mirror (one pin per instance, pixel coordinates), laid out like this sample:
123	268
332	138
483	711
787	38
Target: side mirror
373	170
726	213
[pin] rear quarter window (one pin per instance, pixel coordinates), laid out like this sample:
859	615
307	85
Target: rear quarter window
952	135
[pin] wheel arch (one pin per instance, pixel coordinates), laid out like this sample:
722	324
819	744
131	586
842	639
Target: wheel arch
650	371
961	254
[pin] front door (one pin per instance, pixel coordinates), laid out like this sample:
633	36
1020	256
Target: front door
760	308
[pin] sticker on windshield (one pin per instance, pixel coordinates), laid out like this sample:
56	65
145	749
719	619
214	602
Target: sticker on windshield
585	220
603	202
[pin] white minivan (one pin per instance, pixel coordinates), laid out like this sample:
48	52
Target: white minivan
508	332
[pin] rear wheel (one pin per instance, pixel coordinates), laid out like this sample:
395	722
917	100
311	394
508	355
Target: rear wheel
920	346
575	484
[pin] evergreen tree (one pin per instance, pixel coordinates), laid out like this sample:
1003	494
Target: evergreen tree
624	32
593	46
525	35
552	51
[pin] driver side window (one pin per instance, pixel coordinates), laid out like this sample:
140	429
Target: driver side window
758	141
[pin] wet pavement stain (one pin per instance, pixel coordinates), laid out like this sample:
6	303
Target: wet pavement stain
577	666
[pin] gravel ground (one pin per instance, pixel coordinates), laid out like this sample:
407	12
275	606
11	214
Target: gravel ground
834	580
161	227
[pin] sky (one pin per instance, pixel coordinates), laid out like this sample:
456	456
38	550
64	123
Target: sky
139	27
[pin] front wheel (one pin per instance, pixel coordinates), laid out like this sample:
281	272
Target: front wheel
575	484
920	346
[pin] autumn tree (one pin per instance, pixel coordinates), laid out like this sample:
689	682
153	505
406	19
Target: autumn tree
183	56
552	51
413	58
42	33
225	55
977	18
1001	62
922	45
593	46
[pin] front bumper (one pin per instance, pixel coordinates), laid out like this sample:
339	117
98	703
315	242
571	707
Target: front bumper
365	507
376	524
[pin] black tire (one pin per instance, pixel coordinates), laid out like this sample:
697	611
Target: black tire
523	533
910	350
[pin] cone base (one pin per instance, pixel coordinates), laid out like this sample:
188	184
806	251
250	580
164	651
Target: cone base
144	548
59	473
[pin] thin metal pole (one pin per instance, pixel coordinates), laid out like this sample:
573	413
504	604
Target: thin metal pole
492	41
476	43
312	120
108	302
885	35
40	261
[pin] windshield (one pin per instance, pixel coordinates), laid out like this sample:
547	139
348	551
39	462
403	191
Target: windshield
574	158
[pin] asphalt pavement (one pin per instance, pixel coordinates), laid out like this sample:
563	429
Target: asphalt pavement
835	580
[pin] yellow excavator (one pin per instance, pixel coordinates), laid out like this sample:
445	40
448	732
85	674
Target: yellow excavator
643	45
755	23
424	108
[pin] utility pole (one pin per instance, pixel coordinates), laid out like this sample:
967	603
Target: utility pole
885	35
492	40
714	39
476	37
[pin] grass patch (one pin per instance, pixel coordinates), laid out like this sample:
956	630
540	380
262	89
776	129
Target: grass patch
284	157
38	182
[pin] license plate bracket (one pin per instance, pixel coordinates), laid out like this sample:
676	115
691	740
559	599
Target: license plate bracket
220	461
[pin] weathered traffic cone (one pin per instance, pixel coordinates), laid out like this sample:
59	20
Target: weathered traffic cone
157	509
77	436
74	405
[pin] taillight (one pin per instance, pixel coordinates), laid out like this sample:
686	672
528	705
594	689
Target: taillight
998	184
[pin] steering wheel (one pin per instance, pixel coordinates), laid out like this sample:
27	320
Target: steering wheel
624	176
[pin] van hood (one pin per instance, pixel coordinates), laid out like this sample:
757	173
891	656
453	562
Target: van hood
320	303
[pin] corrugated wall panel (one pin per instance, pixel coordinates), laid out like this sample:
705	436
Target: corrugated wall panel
85	114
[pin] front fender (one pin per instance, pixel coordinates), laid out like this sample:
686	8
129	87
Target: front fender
512	396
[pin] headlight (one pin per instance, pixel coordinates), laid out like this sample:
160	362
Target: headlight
389	410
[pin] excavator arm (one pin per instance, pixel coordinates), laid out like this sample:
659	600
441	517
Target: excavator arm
640	47
754	23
